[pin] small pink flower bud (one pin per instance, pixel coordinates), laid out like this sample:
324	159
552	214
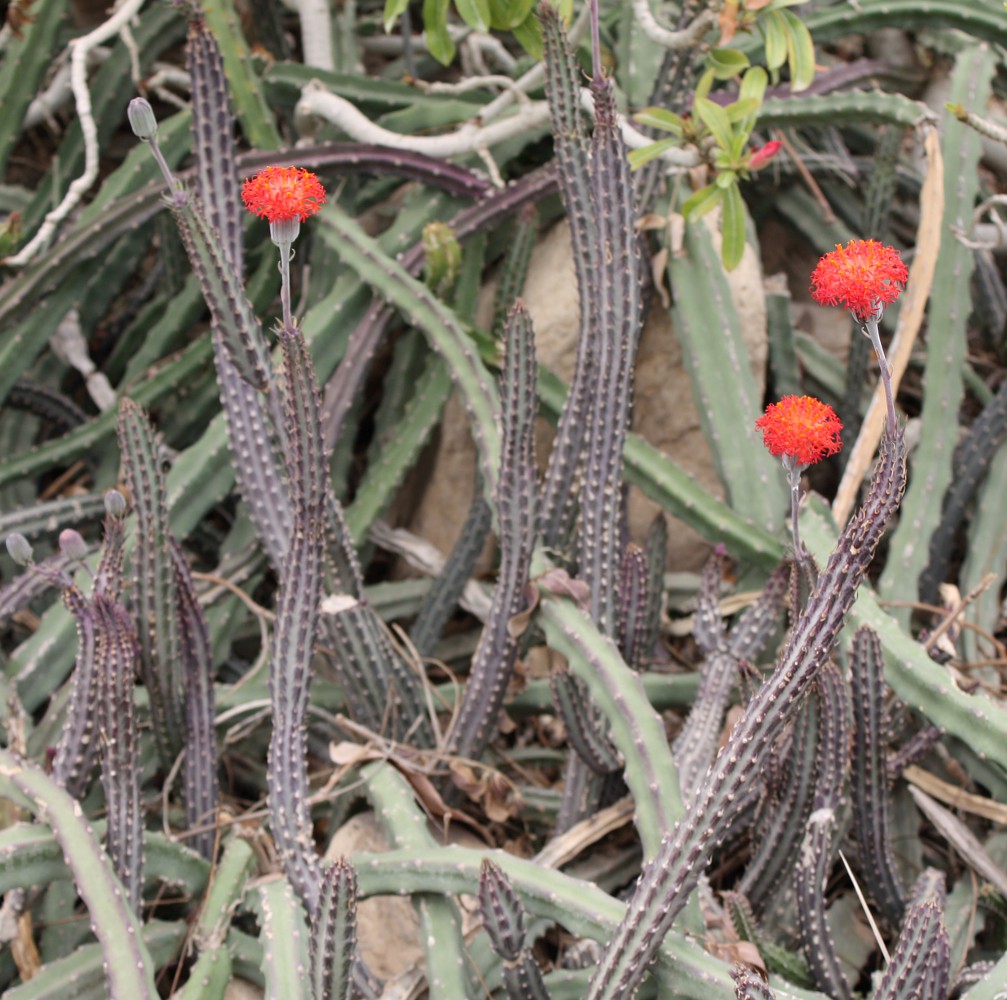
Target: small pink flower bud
72	544
764	154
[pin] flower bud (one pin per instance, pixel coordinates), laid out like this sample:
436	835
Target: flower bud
19	549
72	544
442	257
764	154
115	503
141	119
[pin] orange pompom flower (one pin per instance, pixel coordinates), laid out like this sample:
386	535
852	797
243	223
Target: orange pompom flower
800	429
864	276
281	193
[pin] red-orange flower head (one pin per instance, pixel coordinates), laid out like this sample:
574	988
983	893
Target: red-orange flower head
864	276
800	428
280	193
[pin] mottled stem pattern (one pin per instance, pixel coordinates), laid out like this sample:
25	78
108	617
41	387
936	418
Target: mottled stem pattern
666	881
870	786
296	624
517	511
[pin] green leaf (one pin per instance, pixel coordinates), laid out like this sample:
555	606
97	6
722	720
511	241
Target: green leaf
716	119
702	201
529	35
800	51
704	84
753	84
742	109
774	31
435	23
727	63
753	88
393	11
638	157
475	13
508	15
660	118
732	224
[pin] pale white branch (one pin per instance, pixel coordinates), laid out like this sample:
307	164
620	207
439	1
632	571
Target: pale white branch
991	235
673	39
466	139
490	51
472	137
316	31
79	49
474	83
58	94
166	80
69	344
126	35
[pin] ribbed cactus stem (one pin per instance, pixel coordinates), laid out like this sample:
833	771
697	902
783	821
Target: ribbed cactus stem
252	420
920	966
200	765
636	606
667	880
213	138
810	877
816	854
334	932
787	803
749	985
502	912
617	302
503	920
572	158
296	624
120	736
517	506
696	744
870	786
222	288
153	596
77	748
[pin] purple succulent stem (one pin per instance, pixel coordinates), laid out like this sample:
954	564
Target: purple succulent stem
667	880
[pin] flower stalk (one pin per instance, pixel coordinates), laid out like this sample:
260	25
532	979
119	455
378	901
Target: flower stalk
864	276
800	430
144	125
285	197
